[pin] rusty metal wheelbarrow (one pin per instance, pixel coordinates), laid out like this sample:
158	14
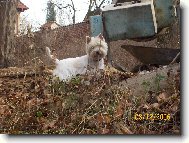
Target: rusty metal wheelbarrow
151	55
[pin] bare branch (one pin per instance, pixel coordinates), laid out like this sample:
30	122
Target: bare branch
95	3
73	5
101	3
68	5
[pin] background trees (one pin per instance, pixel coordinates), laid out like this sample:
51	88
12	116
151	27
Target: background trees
51	13
95	7
67	11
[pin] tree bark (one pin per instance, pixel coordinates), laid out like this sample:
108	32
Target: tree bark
7	27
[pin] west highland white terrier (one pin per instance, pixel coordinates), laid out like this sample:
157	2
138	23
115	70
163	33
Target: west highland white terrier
96	49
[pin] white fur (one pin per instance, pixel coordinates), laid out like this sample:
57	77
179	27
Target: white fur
95	41
70	67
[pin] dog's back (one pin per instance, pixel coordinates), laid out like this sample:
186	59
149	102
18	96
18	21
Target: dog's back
70	67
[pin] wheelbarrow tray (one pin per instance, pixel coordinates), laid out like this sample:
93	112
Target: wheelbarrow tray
151	55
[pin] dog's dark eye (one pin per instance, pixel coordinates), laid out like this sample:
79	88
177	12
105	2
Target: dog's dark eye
92	47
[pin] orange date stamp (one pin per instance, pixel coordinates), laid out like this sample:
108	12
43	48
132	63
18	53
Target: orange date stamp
151	117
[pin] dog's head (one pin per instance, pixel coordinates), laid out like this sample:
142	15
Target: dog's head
96	47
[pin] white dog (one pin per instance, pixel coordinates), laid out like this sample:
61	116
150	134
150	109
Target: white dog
96	49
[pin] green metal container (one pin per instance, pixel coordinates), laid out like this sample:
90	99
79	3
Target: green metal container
165	11
139	20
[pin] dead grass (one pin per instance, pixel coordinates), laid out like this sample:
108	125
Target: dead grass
95	104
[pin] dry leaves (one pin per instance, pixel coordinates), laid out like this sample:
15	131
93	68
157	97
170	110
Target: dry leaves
86	105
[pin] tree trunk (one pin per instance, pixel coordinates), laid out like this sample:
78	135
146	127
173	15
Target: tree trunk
97	9
7	27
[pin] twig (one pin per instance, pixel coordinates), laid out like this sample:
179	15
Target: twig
122	129
173	61
83	118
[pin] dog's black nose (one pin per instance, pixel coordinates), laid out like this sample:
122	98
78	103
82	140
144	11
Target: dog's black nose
97	52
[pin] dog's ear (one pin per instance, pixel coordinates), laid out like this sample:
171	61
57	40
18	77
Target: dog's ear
88	39
101	37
